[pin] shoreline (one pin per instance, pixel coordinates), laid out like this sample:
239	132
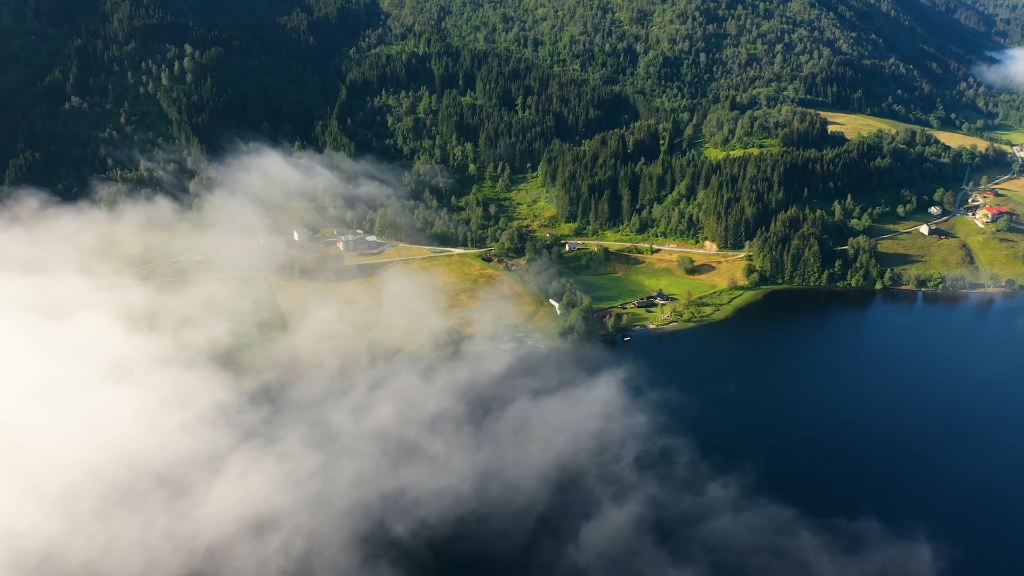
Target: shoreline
753	295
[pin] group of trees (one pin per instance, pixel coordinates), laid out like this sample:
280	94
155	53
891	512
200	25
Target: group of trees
545	272
623	107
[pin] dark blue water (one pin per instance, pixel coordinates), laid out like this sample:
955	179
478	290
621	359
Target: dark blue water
904	407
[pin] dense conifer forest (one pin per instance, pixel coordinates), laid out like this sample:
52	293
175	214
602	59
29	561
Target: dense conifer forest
616	104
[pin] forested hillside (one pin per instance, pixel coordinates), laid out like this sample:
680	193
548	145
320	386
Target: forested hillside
619	104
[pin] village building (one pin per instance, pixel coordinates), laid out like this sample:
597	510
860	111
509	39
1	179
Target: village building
990	193
301	235
935	210
351	244
926	229
991	213
572	246
653	300
1018	151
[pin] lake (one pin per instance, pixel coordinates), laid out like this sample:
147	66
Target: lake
899	406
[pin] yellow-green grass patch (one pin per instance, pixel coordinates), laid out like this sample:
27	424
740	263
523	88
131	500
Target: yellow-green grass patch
916	252
853	125
629	277
997	253
467	288
1010	134
717	153
1013	188
392	252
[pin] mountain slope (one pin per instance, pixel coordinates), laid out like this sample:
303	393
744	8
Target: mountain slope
95	86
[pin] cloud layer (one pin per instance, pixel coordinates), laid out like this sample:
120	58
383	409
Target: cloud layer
181	428
1006	72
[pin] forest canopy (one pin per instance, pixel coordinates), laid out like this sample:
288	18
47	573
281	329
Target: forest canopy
617	105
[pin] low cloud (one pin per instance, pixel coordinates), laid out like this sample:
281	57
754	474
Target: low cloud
184	428
1006	72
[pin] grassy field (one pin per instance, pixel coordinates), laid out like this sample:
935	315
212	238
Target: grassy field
1014	189
628	277
529	203
1010	134
392	252
983	255
470	292
915	252
853	125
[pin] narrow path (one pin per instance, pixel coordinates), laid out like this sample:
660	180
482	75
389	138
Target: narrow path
446	249
911	229
452	253
655	246
958	212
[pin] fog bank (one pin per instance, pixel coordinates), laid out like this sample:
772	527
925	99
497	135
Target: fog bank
181	428
1006	72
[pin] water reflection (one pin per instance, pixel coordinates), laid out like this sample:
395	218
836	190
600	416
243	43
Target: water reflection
852	403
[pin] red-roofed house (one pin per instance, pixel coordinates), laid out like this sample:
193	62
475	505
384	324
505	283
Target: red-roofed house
992	213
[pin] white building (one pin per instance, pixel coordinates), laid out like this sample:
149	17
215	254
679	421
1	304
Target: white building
572	246
935	210
1018	151
300	235
926	229
351	244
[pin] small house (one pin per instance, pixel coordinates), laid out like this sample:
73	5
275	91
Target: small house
926	229
572	246
990	193
992	213
1018	151
301	235
935	210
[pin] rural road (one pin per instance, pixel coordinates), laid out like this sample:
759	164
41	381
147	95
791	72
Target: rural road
447	252
657	247
959	199
452	250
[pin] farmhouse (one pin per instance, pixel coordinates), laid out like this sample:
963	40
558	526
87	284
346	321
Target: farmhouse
652	300
301	235
992	213
935	210
1018	151
990	193
359	244
926	229
572	246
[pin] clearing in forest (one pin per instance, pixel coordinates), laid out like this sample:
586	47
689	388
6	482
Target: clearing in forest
853	125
